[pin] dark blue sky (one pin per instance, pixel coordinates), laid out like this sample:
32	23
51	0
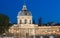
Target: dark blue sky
49	10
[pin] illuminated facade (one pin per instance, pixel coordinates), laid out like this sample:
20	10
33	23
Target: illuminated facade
25	29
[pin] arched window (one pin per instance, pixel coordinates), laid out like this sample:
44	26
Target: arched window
25	21
20	21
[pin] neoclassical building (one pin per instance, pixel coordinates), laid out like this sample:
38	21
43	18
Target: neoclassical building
26	29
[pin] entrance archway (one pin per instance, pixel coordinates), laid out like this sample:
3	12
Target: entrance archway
51	36
41	36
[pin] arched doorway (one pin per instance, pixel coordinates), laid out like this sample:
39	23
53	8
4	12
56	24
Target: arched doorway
27	35
51	36
41	36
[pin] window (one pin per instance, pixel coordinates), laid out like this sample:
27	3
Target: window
20	21
25	21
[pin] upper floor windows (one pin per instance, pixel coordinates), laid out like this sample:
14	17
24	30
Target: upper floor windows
20	21
25	21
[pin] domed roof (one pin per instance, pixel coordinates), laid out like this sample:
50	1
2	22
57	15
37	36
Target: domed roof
24	12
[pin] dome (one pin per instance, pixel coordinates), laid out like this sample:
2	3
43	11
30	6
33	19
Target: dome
24	12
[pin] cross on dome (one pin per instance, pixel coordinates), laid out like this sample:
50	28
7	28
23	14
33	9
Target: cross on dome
24	11
24	6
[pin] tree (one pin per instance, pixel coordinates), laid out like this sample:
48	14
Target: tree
4	23
40	21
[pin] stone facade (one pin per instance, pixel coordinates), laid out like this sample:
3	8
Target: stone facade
25	28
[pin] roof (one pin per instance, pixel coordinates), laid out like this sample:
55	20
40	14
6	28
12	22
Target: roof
24	12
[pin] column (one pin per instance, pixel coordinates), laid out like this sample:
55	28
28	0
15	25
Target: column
34	32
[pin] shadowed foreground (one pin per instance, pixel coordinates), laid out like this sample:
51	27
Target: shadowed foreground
41	36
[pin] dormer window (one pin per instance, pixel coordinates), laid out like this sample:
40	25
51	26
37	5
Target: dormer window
25	13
